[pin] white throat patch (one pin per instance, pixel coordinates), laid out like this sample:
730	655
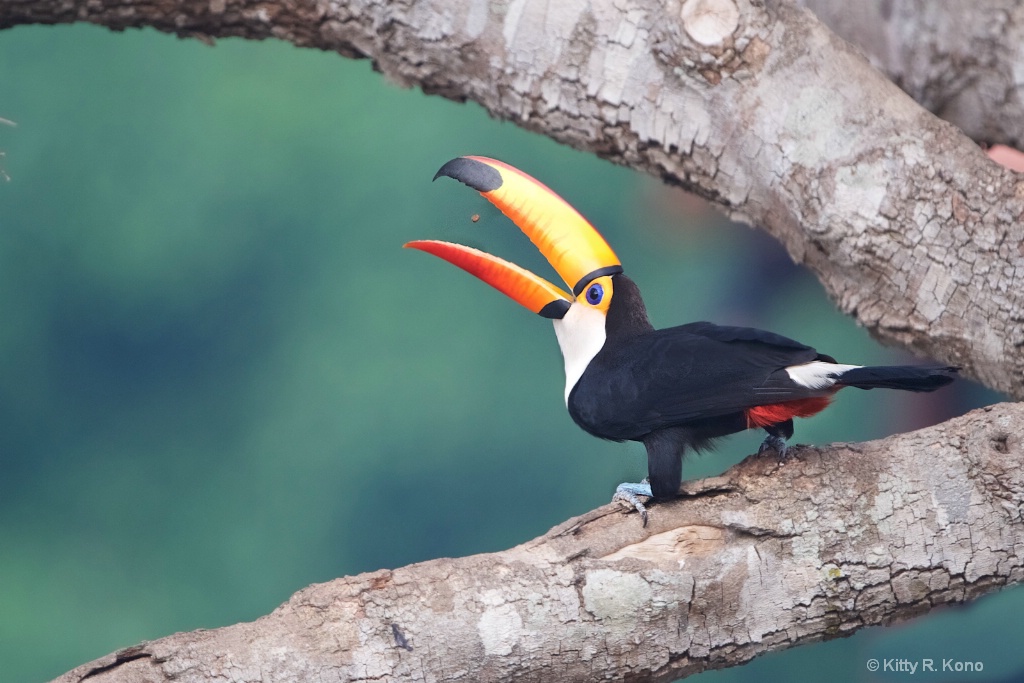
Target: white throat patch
580	336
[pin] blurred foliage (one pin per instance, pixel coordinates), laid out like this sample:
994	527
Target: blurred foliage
222	379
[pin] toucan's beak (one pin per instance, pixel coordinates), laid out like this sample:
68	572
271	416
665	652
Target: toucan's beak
534	292
570	244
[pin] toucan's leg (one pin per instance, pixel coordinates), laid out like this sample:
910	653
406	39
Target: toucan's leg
665	461
776	439
664	469
631	494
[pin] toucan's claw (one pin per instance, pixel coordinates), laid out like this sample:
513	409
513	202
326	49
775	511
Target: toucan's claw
632	493
774	443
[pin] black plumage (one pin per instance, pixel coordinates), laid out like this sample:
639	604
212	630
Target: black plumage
675	389
679	388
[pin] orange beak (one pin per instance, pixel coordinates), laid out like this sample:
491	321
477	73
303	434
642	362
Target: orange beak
570	244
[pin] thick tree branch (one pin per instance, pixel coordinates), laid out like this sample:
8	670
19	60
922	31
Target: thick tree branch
960	60
762	558
756	106
760	108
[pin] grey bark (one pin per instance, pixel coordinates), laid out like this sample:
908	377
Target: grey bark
756	106
762	109
963	61
765	557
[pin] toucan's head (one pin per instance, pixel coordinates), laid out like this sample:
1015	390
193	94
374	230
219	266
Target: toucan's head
573	247
602	299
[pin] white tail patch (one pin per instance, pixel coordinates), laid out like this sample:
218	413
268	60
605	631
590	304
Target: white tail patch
818	374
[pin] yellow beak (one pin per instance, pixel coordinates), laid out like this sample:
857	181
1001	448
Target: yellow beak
570	244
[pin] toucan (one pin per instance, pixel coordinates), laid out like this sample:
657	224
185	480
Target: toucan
674	390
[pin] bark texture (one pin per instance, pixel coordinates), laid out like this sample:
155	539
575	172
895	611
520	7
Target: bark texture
963	61
754	105
760	108
863	535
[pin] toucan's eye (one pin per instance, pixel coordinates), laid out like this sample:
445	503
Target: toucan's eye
594	294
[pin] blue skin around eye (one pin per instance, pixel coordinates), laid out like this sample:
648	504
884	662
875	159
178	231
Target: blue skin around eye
594	294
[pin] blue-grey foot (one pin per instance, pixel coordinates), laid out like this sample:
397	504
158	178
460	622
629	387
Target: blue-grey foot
773	443
631	493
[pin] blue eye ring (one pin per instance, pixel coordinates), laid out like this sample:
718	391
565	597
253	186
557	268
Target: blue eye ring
595	293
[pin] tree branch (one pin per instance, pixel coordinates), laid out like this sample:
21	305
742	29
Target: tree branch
760	108
757	106
958	60
765	557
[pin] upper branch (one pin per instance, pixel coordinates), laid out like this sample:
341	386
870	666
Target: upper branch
960	60
756	106
765	557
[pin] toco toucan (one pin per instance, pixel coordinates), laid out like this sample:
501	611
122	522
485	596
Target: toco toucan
672	389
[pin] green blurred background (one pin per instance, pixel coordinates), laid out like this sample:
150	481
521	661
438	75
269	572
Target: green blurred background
222	379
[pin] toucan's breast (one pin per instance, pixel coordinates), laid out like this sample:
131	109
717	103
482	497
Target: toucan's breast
581	335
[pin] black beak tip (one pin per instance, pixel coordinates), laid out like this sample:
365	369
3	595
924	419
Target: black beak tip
471	172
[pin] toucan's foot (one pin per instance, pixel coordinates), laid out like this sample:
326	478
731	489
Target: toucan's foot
631	493
774	443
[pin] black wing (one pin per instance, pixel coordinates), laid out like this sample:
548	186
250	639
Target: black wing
683	374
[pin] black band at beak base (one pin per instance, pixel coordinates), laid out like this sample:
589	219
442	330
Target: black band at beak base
555	310
593	275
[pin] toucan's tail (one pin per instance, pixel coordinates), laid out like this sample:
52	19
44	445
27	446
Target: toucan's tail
906	377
